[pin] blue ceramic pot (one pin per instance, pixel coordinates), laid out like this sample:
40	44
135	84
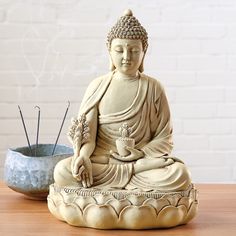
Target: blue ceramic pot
32	174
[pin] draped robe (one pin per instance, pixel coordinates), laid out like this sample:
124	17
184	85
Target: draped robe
149	118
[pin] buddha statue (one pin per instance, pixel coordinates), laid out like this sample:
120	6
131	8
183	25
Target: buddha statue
122	137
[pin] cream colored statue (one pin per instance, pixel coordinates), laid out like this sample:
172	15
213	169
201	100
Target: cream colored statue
122	143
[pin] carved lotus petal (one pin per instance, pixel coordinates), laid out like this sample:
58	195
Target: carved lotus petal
157	204
138	217
102	198
100	216
52	206
136	200
118	205
82	202
186	201
173	199
171	216
68	198
192	211
71	214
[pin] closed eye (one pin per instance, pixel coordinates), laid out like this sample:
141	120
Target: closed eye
119	49
135	50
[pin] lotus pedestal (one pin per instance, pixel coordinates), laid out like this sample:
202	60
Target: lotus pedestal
122	209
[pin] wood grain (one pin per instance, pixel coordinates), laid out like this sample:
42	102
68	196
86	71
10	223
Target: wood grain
216	216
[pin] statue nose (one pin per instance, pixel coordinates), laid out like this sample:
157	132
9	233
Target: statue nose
126	55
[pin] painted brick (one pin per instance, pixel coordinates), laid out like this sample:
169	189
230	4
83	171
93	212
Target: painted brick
178	46
216	79
232	62
23	46
222	142
191	142
15	141
2	158
12	31
199	95
208	158
160	63
226	110
177	126
48	110
212	126
2	15
196	111
186	13
163	31
1	173
79	46
234	126
176	78
171	94
11	63
230	95
204	62
46	94
47	126
223	14
234	173
83	31
27	13
39	64
231	30
9	94
216	46
211	174
203	31
76	14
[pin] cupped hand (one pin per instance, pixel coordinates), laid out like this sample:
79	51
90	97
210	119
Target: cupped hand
134	155
81	168
155	162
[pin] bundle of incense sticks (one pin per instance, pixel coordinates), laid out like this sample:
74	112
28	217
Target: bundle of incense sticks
37	133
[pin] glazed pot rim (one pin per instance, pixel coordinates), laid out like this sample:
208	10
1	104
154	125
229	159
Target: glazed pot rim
18	150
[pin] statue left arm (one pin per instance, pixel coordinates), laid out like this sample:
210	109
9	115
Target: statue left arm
161	143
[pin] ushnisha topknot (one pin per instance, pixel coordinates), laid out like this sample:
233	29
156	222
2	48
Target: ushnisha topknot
128	27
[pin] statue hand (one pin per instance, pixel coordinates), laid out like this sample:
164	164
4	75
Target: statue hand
152	163
81	168
134	155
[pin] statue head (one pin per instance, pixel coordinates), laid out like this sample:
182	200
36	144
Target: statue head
127	32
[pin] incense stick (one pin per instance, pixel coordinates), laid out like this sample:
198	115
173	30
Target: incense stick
37	134
61	128
26	134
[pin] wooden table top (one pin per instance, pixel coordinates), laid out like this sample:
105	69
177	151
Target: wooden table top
216	216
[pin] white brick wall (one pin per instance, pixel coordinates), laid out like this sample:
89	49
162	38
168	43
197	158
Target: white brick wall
51	50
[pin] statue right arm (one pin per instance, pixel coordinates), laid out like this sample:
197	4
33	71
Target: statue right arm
81	166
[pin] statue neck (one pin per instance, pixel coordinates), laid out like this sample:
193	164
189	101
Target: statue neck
119	75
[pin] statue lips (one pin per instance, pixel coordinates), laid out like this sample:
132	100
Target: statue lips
126	64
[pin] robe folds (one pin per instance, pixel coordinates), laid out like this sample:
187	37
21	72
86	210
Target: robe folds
149	118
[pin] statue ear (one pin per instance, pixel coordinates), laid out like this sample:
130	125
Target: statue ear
141	67
111	65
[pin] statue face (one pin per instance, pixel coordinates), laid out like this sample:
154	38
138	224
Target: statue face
127	55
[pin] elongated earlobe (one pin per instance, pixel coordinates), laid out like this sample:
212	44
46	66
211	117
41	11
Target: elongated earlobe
141	67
